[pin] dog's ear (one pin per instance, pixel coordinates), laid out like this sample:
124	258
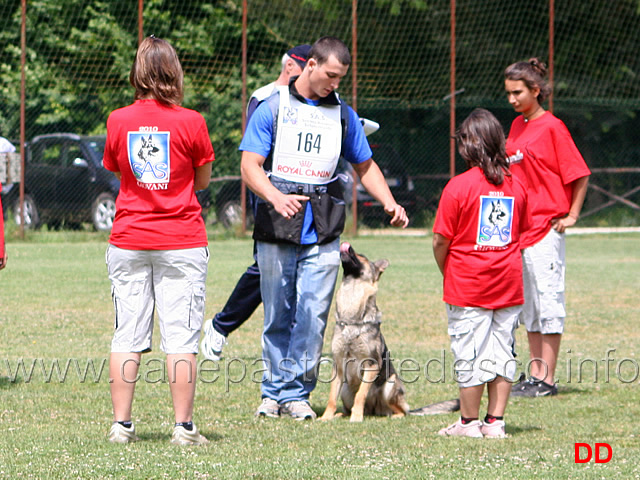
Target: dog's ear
381	265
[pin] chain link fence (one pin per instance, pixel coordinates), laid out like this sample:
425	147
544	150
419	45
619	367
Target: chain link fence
78	54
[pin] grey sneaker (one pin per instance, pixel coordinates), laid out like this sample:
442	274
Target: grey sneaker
182	436
212	342
522	379
298	410
534	388
268	408
120	434
543	389
471	429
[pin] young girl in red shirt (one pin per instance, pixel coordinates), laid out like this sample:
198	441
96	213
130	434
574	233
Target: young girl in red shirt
476	243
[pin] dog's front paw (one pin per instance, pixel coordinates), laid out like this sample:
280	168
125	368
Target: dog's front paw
326	416
356	417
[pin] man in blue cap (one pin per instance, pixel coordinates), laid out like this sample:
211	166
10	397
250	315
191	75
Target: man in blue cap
292	64
246	297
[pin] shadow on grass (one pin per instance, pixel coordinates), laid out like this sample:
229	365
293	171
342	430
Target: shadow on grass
6	382
511	429
572	390
563	390
165	437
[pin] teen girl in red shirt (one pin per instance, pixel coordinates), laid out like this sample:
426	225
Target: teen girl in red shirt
544	156
157	255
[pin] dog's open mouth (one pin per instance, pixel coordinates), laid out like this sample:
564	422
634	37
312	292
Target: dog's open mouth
350	261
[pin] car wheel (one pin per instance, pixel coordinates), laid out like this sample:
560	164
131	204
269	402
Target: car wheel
31	215
230	214
103	212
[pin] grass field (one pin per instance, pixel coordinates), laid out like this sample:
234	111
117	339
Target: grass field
55	310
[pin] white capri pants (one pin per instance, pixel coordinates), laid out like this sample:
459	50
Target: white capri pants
543	270
482	343
169	281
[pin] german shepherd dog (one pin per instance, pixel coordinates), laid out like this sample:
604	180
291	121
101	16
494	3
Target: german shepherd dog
364	376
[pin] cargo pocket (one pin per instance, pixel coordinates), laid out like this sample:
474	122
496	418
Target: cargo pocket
196	309
114	299
463	346
128	302
551	290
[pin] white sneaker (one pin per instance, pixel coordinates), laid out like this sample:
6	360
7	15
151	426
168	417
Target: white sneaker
298	409
212	342
120	434
268	408
493	430
182	436
471	429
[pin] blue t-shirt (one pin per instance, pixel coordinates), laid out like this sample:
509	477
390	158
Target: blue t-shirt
257	139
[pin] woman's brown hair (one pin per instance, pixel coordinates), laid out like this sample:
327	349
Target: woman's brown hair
481	143
532	73
156	72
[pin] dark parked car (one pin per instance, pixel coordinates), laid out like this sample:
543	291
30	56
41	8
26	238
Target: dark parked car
65	183
370	211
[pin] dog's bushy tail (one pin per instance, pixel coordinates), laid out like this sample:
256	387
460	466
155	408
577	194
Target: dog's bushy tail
447	406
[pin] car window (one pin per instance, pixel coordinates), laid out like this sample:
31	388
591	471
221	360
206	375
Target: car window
97	146
73	151
47	154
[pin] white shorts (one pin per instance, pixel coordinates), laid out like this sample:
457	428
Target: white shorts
169	281
482	342
543	269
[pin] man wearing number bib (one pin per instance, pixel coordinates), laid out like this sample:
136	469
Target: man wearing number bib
290	151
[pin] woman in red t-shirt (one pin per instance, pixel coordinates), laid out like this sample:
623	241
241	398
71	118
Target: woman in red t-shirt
157	255
544	156
476	243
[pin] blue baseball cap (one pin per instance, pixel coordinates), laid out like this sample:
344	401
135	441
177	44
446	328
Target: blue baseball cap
300	54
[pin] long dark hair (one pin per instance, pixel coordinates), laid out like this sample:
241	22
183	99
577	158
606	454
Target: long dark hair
532	73
481	143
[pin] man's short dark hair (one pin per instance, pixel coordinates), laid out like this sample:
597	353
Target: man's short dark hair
327	46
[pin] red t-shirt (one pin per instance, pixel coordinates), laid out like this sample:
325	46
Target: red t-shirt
156	149
544	156
484	222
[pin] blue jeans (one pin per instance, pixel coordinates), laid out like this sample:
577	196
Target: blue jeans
297	284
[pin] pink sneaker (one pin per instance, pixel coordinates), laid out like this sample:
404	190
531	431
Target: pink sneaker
471	429
493	430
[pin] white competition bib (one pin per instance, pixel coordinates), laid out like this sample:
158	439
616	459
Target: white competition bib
308	141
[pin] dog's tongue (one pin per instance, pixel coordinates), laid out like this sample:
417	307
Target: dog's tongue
344	247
